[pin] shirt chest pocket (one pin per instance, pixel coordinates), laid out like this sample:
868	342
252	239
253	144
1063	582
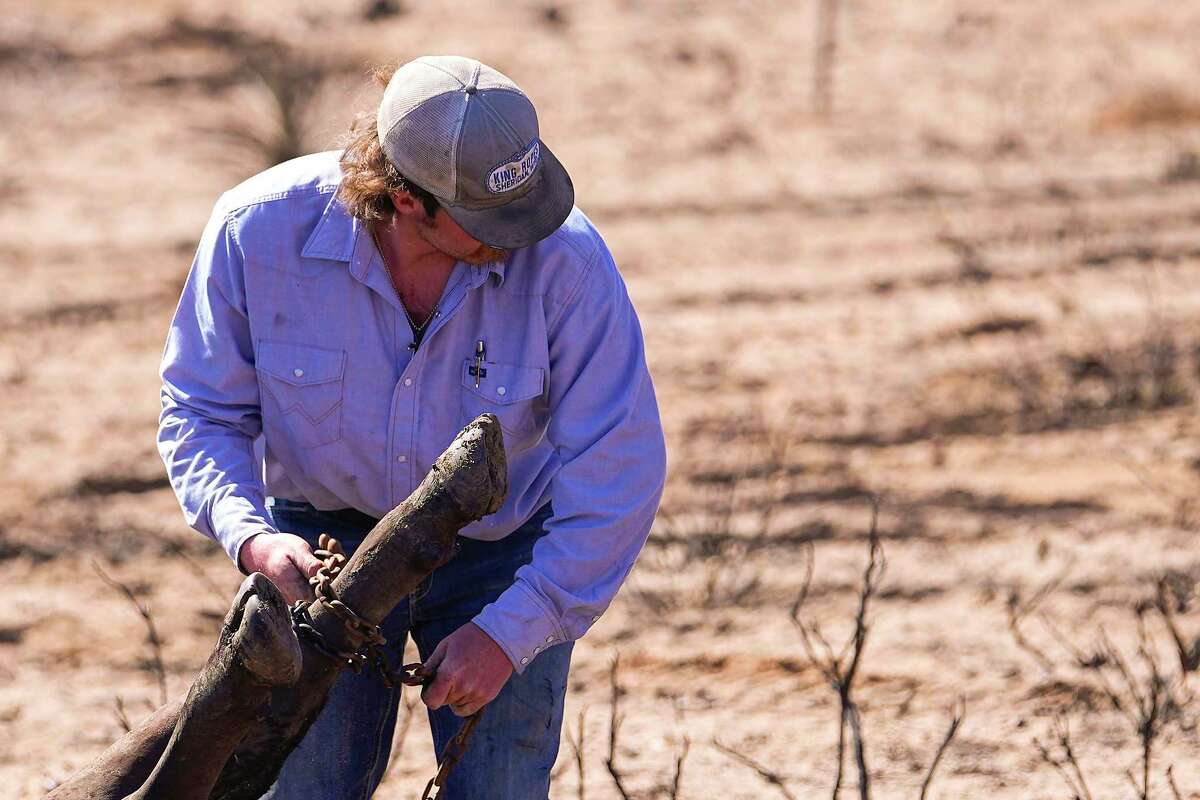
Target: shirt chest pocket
512	392
302	392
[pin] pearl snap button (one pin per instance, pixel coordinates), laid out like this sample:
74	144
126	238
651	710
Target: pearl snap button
500	390
402	459
299	373
408	381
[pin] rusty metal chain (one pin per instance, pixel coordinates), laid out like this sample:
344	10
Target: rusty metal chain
452	753
333	558
302	622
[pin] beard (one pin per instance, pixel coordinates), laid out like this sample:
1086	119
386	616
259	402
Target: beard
478	255
485	254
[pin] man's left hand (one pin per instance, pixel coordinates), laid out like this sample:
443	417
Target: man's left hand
471	671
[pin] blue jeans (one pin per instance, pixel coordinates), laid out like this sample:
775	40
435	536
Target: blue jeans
510	754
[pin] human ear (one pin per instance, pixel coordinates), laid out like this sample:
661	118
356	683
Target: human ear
406	205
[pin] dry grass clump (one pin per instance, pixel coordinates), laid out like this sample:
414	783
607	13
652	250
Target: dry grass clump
1155	701
731	511
1077	387
841	667
614	726
1157	372
153	638
670	788
279	82
1149	698
1184	168
1153	371
1150	106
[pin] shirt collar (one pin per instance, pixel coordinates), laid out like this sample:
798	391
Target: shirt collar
334	236
496	269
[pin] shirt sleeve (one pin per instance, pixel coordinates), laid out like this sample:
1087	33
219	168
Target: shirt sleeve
605	427
210	404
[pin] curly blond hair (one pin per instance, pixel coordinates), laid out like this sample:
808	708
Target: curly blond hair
368	176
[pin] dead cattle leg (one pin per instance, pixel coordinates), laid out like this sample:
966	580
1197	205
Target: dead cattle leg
124	766
468	481
258	650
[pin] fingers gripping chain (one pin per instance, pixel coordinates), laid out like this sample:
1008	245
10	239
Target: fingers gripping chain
333	558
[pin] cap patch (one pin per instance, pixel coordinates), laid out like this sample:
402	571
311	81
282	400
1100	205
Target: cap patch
510	175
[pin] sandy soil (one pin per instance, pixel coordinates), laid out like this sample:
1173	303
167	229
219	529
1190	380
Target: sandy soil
972	290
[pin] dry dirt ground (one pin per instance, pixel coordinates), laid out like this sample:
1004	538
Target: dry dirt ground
972	290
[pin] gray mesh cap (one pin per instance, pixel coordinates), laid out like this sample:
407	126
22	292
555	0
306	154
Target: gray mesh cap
469	136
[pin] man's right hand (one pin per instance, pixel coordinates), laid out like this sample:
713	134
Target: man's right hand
284	558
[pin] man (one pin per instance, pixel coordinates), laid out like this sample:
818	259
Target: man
355	309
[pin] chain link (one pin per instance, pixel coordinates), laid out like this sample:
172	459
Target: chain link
333	558
453	752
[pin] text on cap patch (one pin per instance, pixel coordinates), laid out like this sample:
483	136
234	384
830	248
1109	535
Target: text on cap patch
510	175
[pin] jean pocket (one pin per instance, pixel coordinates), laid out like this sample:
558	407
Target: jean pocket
514	393
304	386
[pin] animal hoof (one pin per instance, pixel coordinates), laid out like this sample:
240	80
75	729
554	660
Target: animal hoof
262	636
477	461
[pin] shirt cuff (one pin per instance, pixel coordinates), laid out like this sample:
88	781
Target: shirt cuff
233	544
233	519
521	624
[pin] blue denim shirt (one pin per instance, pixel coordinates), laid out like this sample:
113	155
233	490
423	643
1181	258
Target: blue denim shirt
289	329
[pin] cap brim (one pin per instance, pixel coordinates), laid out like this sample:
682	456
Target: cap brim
530	218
